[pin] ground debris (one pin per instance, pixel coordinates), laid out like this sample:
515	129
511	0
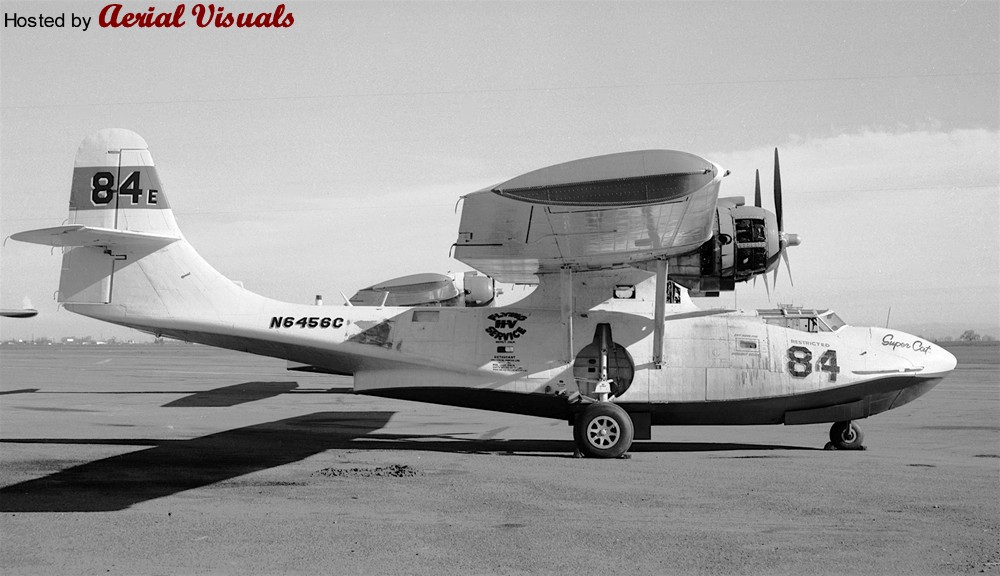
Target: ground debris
391	471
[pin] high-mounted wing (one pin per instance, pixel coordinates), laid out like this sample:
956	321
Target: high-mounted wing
594	213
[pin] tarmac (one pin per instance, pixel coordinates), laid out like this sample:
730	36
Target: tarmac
181	459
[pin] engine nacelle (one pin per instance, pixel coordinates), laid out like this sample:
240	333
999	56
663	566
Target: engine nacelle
746	242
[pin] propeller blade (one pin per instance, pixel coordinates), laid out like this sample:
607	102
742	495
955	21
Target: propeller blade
784	256
767	287
756	191
777	192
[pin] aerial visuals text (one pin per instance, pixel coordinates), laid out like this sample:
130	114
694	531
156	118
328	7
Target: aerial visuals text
178	16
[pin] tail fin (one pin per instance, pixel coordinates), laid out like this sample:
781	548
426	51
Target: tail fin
123	246
115	185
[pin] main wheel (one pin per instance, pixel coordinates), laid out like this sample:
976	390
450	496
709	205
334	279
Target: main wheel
603	430
846	436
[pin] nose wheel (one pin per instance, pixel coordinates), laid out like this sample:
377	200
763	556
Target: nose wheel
603	430
846	436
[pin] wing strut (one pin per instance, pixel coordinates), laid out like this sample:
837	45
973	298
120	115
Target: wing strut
566	279
658	312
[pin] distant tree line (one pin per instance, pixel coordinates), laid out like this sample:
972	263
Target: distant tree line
972	336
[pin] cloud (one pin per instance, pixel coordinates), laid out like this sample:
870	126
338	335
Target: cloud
875	160
907	218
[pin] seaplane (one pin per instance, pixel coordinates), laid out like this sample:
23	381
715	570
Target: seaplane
609	340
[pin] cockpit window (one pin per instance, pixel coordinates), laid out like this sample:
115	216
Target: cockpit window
833	321
809	324
804	320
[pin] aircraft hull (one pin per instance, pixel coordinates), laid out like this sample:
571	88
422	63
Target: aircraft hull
709	377
875	396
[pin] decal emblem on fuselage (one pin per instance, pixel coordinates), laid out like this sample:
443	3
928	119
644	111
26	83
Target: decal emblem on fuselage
916	345
505	328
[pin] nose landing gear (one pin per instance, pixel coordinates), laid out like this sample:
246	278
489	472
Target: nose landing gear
846	436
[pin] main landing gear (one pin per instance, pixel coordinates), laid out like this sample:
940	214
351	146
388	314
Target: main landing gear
603	430
846	436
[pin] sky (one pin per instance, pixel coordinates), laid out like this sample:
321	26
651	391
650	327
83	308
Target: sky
329	155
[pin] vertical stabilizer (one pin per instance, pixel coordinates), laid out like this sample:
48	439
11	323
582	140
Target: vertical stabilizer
125	259
115	186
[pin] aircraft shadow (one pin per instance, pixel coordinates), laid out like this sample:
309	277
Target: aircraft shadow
233	395
168	467
216	397
712	447
563	448
174	466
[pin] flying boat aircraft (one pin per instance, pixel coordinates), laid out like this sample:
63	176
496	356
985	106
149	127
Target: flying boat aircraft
609	340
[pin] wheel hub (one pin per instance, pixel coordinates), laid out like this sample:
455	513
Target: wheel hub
603	432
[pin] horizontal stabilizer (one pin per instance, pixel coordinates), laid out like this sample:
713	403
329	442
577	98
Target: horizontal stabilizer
79	235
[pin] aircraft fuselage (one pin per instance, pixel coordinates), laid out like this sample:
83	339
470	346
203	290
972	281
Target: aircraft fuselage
718	367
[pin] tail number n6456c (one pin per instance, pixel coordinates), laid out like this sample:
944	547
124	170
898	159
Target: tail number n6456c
306	322
800	362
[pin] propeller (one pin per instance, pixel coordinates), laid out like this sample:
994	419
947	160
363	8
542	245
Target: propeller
777	192
766	285
784	239
756	191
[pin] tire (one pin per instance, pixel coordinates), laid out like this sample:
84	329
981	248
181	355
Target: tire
603	430
846	436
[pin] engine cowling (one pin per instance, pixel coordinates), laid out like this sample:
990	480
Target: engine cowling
746	242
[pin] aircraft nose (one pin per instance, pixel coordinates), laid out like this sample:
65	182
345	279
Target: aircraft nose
922	355
940	360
